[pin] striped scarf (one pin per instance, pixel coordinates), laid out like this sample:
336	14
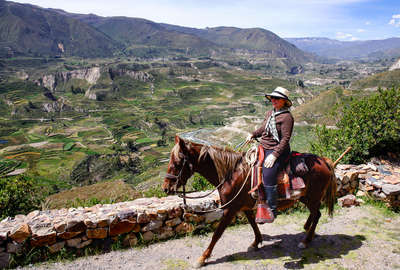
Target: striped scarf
271	124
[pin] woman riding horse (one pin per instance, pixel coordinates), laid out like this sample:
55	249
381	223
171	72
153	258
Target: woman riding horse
275	132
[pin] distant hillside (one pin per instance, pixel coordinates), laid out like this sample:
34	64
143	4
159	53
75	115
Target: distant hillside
385	79
254	39
31	30
136	31
330	48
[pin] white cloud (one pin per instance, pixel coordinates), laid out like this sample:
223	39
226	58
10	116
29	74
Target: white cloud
395	20
368	23
360	30
345	36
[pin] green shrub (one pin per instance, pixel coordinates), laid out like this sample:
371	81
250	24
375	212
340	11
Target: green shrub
18	195
370	125
200	183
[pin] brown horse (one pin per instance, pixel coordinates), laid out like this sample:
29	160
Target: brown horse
217	165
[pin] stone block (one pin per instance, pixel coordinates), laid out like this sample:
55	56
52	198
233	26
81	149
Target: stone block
127	215
75	226
130	240
190	217
73	242
143	218
175	212
165	233
20	233
348	200
56	247
184	228
121	227
152	225
99	233
60	226
84	244
390	189
90	224
173	222
68	235
148	236
103	222
213	216
43	234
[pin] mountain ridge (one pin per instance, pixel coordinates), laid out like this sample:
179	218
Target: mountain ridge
332	48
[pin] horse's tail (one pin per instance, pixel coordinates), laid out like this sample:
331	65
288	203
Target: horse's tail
330	194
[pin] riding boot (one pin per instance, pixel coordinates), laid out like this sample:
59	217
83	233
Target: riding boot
272	198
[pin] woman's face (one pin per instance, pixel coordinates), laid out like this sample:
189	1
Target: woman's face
277	103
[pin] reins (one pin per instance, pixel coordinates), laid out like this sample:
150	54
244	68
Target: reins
182	194
203	196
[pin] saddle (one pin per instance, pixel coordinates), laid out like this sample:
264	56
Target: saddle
290	182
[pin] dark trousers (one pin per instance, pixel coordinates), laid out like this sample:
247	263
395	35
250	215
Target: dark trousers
270	174
270	179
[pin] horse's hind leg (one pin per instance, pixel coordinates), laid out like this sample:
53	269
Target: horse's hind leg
309	219
311	223
258	238
225	221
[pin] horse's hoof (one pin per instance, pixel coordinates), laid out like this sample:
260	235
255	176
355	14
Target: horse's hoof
301	245
252	248
199	264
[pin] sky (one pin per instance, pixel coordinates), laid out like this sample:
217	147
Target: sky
344	20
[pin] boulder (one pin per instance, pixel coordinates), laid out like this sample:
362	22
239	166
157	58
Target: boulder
184	228
117	228
20	233
99	233
84	244
148	236
152	225
348	200
74	242
56	247
173	222
213	216
390	189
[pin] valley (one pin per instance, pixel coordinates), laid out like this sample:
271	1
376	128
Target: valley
79	122
88	101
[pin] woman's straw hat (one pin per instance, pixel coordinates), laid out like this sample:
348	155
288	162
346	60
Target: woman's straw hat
280	92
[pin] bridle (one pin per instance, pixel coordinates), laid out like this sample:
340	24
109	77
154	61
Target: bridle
182	194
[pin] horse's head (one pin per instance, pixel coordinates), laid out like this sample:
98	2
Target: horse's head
180	166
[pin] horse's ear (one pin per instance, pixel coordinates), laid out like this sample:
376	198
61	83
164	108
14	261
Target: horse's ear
176	139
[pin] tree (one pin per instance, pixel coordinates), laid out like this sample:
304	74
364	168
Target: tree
370	125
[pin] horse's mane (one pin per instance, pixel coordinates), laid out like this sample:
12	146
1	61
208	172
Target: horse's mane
225	160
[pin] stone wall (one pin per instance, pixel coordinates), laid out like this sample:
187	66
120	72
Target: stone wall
151	219
379	180
147	219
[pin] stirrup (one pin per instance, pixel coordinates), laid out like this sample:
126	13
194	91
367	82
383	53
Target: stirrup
264	214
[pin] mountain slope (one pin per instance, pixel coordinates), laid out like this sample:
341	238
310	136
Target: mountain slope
31	30
254	39
134	31
349	49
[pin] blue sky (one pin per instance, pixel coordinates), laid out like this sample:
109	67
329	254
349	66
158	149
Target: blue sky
337	19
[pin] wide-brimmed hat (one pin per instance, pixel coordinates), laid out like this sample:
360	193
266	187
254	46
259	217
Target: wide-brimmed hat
280	92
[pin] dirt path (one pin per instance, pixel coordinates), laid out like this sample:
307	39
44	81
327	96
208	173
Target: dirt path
356	238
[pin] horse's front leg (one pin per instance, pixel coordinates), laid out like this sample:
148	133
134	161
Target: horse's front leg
225	221
258	238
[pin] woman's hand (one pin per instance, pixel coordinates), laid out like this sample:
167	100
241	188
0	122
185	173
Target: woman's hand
249	138
269	161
